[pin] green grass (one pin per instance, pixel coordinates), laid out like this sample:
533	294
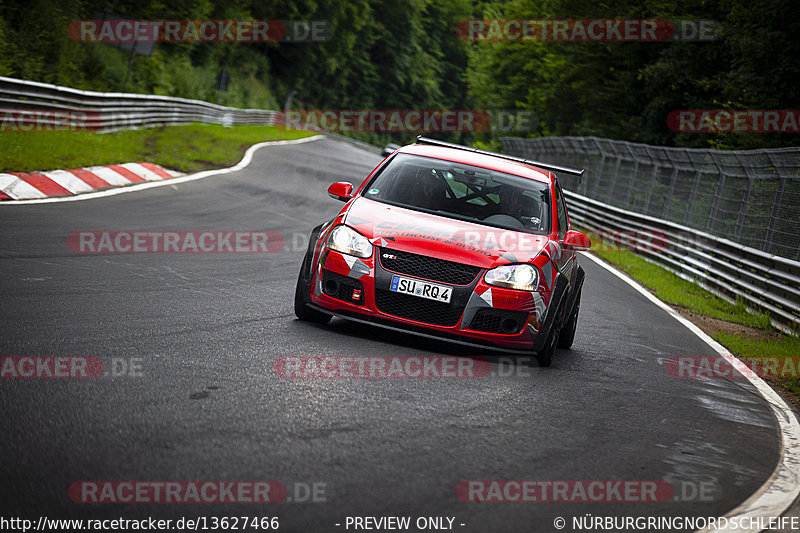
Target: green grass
675	290
187	148
785	346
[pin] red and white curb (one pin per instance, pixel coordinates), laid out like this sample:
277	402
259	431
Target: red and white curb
131	186
58	183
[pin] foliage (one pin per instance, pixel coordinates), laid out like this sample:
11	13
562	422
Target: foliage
625	90
406	54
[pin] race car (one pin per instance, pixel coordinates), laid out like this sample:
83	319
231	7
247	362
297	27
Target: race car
452	242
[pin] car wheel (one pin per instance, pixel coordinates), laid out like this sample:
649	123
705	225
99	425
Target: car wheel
545	356
568	331
302	311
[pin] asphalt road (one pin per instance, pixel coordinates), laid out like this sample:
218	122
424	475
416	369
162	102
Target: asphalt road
203	330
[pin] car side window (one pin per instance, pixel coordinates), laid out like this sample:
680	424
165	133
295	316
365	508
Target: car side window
561	212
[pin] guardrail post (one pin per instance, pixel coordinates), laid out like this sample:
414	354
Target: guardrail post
672	180
585	178
634	172
773	216
602	166
715	204
652	186
616	180
613	184
696	185
748	170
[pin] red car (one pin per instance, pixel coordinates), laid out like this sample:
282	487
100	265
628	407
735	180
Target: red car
452	242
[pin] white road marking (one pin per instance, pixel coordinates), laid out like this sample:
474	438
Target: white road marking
779	492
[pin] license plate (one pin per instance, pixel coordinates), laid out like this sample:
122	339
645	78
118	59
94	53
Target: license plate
423	289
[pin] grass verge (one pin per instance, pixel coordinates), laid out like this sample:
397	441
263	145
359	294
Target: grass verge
189	148
743	333
780	348
677	291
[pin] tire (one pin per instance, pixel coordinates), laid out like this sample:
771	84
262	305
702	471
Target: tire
568	331
301	310
545	356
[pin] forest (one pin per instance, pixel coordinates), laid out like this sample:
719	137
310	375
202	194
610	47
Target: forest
421	55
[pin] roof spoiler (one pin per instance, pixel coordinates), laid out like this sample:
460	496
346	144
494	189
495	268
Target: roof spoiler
546	166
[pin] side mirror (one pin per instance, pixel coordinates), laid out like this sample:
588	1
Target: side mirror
341	190
575	240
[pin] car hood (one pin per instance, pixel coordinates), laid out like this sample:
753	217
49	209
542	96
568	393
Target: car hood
416	232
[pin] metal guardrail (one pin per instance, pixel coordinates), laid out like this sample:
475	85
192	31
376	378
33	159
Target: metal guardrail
751	197
43	106
764	281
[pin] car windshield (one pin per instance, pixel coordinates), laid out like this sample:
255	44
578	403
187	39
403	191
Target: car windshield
463	192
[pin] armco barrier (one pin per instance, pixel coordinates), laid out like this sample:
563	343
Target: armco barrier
751	197
113	111
37	105
633	174
765	282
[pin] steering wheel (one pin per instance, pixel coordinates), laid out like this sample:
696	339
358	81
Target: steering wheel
505	220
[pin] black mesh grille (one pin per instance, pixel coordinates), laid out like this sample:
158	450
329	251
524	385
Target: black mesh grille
417	329
341	287
422	266
416	308
498	321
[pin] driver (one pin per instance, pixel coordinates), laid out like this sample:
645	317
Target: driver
428	193
515	204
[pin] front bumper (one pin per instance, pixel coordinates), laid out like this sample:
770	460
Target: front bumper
478	314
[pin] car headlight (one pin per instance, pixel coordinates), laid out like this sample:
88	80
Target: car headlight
520	277
349	241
